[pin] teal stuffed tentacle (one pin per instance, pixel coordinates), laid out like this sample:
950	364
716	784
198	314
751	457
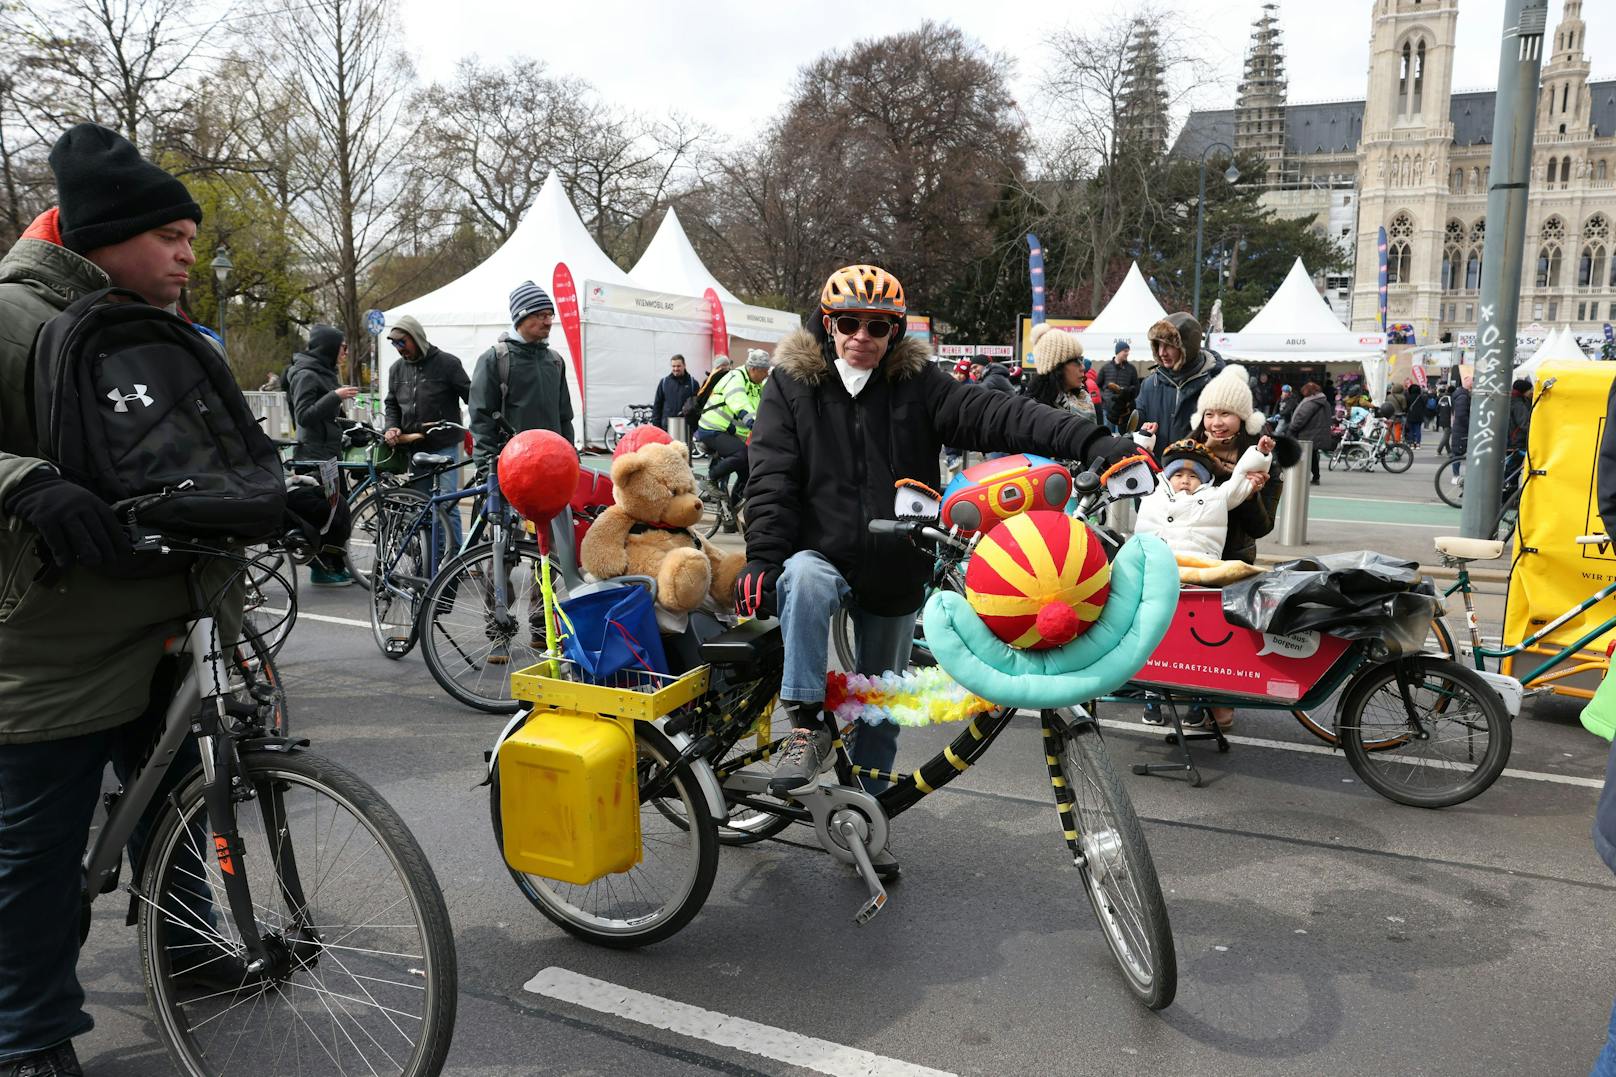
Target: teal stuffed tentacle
1143	598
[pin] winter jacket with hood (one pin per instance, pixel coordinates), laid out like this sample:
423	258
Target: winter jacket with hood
1311	421
1121	375
824	464
1459	438
996	378
1170	398
426	389
537	397
673	392
1253	518
77	653
312	383
1197	524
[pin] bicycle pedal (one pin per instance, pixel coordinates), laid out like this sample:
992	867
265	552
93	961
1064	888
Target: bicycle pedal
854	839
397	645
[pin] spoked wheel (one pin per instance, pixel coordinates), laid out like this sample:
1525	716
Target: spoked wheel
1114	861
403	568
362	974
746	825
1453	746
1450	486
470	653
660	894
361	546
269	598
1359	458
841	631
1397	458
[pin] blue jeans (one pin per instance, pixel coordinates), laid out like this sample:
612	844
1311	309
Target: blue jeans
448	481
810	592
1605	1064
48	794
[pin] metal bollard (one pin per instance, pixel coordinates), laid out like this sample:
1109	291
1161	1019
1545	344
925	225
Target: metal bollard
1291	524
677	431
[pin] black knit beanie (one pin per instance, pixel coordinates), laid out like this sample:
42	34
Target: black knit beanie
107	192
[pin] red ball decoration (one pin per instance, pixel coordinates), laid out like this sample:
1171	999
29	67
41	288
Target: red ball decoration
639	437
538	472
1038	580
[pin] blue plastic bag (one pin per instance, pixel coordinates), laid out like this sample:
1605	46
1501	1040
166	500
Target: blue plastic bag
611	630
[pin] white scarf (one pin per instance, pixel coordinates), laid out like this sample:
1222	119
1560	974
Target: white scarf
853	379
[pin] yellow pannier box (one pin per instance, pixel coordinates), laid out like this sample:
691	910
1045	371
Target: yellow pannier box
569	797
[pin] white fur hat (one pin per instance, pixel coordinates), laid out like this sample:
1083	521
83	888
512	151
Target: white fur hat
1230	391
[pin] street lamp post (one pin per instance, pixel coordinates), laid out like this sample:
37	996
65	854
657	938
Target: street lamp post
1231	174
222	265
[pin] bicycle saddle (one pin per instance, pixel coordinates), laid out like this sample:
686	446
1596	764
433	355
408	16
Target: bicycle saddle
1144	596
429	459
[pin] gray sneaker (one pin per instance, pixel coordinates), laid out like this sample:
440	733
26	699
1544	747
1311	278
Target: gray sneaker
805	753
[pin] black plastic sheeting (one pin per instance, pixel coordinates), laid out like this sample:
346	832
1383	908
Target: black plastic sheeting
1358	595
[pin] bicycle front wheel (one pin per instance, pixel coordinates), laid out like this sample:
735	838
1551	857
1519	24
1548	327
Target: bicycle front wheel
1450	481
404	563
1113	861
362	975
360	549
470	652
660	894
1454	745
1397	458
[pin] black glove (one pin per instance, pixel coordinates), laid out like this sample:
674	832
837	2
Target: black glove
754	591
76	526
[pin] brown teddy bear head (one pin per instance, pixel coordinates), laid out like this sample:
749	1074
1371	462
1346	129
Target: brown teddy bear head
654	484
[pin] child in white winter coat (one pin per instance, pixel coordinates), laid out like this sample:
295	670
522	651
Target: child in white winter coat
1189	513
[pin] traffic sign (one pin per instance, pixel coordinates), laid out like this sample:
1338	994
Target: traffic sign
375	322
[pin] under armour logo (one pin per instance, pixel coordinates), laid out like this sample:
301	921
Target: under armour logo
120	401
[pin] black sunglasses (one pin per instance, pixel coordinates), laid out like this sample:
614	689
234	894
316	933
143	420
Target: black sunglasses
847	325
398	342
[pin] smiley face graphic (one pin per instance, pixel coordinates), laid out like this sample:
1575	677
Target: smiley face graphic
1207	642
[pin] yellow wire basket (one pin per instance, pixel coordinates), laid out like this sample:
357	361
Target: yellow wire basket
641	695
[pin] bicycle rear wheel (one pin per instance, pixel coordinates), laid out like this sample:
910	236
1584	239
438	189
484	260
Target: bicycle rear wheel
360	549
362	976
1458	748
404	560
661	893
470	655
1113	861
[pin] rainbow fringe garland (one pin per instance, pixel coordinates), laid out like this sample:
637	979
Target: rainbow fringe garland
918	697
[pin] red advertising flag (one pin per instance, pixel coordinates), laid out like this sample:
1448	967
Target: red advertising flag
565	294
1418	374
720	329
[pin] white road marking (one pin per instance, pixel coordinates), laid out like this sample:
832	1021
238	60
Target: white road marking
765	1041
1377	523
351	622
1324	749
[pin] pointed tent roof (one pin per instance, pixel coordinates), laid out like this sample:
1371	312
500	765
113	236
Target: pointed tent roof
1559	346
550	232
671	264
1297	325
1129	315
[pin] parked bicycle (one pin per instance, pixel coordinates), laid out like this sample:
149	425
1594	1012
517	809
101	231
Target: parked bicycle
284	877
619	425
1361	450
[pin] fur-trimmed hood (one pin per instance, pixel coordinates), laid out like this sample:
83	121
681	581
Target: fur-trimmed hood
799	358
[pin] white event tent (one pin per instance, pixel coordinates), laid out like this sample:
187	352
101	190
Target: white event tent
671	264
1129	316
627	332
1296	325
1559	346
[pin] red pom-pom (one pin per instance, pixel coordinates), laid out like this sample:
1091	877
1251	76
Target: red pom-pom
1058	623
640	437
538	472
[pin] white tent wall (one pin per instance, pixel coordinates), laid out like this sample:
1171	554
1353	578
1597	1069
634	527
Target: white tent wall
626	355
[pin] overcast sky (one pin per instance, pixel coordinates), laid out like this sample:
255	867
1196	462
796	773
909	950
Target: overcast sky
730	63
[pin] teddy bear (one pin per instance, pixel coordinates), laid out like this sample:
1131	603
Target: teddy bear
647	532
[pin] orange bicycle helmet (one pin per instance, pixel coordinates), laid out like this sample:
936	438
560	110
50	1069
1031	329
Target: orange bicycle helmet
862	289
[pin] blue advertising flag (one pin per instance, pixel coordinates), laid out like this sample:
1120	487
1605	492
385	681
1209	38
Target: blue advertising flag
1035	264
1381	247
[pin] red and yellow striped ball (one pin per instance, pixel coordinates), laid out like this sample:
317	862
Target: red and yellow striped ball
1038	580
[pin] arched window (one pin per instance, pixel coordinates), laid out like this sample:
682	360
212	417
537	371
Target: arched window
1554	168
1419	75
1565	172
1473	270
1591	265
1475	179
1399	255
1600	170
1548	254
1565	96
1457	186
1402	78
1452	256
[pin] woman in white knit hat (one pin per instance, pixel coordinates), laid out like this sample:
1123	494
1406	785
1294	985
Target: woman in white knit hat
1059	378
1228	424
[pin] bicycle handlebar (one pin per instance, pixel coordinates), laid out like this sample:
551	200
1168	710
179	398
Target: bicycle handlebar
1592	540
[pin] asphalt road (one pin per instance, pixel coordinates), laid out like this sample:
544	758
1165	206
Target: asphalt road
1320	929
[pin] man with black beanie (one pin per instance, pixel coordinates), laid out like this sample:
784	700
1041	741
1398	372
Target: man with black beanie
76	655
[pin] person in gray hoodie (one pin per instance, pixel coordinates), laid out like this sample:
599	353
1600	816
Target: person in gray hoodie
520	378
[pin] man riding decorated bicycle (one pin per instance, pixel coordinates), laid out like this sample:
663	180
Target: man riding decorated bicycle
850	408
